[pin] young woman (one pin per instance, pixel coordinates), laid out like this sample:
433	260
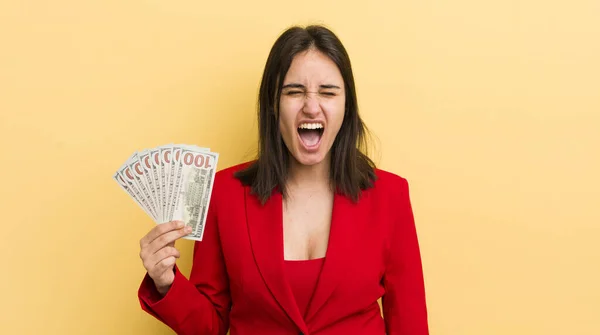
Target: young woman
308	237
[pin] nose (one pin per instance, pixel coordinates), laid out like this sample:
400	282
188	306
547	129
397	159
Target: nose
311	104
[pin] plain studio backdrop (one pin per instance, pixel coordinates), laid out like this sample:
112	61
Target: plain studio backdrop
490	109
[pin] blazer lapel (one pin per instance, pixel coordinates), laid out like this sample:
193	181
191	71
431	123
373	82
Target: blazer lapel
344	234
265	226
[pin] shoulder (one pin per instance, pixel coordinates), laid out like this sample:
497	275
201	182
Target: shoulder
389	182
226	188
226	179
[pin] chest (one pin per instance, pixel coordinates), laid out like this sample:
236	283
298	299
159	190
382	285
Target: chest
306	225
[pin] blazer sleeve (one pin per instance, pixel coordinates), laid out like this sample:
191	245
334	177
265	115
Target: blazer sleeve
201	304
404	303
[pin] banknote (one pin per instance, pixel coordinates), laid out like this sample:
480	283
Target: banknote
149	178
137	174
175	155
176	170
171	182
193	189
165	163
155	161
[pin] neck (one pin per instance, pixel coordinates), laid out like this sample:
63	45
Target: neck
305	176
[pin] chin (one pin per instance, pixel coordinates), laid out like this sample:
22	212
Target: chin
310	159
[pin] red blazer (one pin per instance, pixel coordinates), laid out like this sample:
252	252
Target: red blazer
237	279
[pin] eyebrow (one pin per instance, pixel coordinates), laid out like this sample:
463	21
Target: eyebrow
295	85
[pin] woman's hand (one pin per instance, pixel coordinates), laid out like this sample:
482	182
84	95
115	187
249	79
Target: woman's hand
158	252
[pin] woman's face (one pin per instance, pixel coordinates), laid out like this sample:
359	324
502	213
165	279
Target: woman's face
311	107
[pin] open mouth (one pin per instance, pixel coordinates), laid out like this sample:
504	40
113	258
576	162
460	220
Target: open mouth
311	133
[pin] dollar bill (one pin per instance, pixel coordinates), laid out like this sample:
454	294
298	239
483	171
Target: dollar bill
149	179
165	163
137	174
155	162
176	172
176	153
193	191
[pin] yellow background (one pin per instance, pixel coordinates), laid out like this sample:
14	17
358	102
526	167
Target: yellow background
491	109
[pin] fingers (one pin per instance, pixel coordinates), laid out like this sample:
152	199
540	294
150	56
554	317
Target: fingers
167	238
154	260
160	230
158	252
162	266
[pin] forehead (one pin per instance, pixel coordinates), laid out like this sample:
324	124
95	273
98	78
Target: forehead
313	67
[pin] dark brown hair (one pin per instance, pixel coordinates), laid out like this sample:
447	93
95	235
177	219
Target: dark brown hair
351	169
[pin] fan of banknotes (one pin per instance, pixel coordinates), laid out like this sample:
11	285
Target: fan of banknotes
171	182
